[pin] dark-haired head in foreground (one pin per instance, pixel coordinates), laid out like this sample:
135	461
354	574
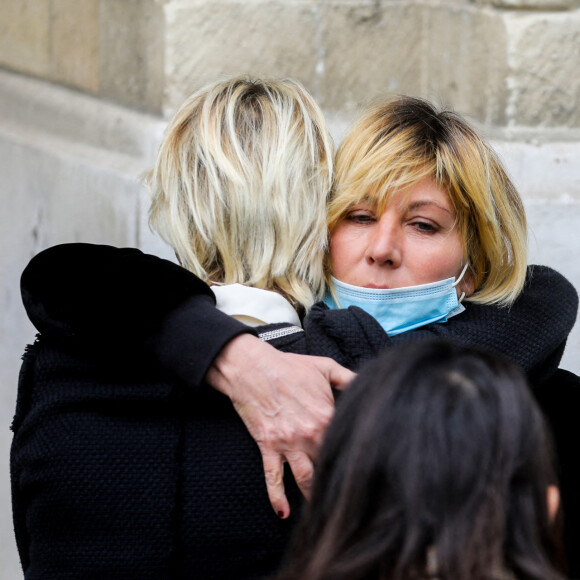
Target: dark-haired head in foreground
436	465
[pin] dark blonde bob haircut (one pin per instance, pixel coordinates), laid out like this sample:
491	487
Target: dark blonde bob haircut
397	143
241	184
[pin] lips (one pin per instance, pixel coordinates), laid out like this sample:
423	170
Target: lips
376	286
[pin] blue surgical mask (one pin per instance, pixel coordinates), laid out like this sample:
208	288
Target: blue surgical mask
400	309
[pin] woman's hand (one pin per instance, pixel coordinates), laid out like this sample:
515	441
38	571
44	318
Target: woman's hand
285	401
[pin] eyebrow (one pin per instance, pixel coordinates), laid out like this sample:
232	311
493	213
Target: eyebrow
423	202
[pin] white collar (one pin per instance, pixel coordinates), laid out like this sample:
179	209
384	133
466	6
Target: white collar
254	306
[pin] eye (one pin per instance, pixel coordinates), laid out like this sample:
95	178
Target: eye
425	227
361	217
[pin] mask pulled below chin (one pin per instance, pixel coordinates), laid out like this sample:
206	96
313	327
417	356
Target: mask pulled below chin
398	310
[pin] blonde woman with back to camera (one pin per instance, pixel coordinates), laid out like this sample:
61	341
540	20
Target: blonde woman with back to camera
144	477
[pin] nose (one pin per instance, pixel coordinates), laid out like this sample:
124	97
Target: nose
385	243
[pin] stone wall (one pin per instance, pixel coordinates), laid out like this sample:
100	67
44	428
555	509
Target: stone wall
510	64
87	86
112	49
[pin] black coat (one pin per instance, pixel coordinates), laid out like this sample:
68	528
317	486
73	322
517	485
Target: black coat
118	472
125	465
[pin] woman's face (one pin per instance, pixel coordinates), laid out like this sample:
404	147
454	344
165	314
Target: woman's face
415	241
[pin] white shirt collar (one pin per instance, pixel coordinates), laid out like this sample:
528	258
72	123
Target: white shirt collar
254	306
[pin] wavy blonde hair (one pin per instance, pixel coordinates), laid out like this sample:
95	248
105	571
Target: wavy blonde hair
241	184
397	143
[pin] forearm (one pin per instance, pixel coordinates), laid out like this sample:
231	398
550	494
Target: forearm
102	292
121	296
190	337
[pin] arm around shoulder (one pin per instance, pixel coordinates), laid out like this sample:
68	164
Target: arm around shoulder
99	291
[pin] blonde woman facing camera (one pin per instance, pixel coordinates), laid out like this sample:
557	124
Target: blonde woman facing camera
421	215
420	198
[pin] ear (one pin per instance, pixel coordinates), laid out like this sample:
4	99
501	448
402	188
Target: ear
466	285
553	501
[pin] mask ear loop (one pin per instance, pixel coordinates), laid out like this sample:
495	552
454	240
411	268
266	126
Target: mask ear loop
459	280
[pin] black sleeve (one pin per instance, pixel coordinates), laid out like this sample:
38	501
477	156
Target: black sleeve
190	336
532	331
114	297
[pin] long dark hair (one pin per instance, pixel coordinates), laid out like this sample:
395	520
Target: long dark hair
436	465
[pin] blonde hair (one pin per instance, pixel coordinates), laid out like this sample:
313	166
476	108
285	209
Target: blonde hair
396	144
241	183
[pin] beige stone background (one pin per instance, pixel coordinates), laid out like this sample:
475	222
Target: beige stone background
86	87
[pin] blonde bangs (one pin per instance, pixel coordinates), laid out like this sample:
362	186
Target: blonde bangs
372	165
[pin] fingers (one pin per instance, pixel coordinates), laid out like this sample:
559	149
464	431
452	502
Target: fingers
338	376
274	471
286	402
303	471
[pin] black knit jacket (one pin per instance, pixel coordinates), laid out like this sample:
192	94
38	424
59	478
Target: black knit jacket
120	472
126	465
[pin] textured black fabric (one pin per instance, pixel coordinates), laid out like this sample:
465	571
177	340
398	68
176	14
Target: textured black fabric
100	294
109	296
192	355
94	469
559	398
123	467
118	472
532	332
61	286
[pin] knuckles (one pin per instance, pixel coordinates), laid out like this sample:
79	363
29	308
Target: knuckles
273	478
284	436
